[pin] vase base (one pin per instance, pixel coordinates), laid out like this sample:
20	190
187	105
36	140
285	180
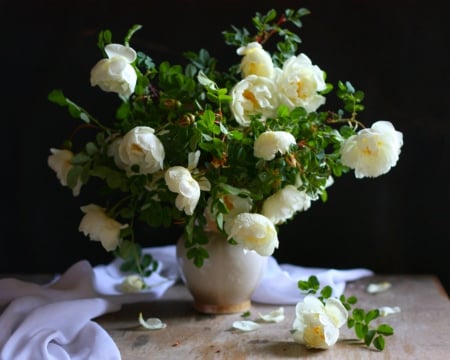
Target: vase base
222	308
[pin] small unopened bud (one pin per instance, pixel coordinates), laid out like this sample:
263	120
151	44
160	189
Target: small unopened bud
291	160
187	119
172	103
219	162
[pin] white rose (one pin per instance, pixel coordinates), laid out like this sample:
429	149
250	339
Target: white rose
256	60
269	143
100	227
282	205
60	163
254	232
115	74
299	83
179	180
317	325
251	96
372	152
140	146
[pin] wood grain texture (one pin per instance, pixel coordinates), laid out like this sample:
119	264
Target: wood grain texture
422	327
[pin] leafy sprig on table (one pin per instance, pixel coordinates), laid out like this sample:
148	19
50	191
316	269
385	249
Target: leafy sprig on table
358	319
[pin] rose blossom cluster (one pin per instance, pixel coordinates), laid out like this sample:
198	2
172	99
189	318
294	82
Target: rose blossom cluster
258	95
264	87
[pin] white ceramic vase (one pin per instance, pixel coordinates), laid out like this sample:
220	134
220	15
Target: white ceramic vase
226	281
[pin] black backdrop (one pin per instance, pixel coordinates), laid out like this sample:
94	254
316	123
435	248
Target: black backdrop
395	51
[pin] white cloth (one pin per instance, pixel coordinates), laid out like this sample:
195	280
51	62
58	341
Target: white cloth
279	284
54	321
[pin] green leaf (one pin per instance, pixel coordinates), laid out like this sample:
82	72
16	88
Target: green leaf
349	87
114	179
369	337
360	330
91	148
127	265
104	38
326	292
371	315
303	285
127	249
379	342
80	158
385	329
314	282
57	96
358	314
73	176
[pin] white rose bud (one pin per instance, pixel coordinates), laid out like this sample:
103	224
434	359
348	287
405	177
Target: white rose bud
60	163
115	74
299	83
256	60
140	146
372	152
254	232
251	96
100	227
270	143
180	181
317	325
282	205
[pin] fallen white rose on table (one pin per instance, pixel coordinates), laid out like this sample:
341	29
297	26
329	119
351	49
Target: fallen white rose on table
317	325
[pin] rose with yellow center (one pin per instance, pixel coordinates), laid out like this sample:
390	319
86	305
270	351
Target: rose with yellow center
317	324
254	232
372	152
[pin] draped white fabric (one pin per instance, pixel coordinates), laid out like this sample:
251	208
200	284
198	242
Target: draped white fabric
54	321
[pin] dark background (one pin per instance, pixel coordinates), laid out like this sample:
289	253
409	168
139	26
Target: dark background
395	51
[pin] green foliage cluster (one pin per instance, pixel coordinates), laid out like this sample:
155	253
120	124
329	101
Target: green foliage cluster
359	319
188	106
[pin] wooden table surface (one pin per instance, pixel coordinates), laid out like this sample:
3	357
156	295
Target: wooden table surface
422	328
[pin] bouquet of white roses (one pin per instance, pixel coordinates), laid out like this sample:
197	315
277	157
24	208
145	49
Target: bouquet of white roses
239	150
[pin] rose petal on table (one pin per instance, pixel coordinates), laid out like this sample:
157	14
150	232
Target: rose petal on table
387	310
246	325
151	323
379	287
274	316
